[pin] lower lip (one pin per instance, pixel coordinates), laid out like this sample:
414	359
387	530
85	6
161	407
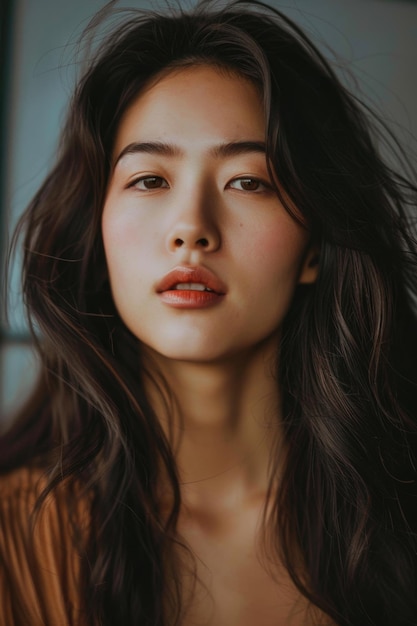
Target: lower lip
188	299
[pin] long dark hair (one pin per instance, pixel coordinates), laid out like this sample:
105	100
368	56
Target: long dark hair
347	496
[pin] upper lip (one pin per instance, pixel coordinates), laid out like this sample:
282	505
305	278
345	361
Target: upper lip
199	274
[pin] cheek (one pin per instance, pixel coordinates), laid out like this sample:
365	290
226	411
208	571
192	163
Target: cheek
117	254
277	252
125	246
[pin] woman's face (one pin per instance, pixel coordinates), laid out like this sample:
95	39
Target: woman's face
203	258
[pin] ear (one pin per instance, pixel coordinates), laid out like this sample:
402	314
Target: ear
310	266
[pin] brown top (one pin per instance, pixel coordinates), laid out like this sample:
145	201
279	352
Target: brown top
39	568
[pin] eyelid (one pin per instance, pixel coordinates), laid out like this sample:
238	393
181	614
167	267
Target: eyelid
266	184
263	185
143	177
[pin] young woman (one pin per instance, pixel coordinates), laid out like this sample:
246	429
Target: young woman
221	275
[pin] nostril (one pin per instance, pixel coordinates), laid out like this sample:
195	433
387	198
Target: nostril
202	241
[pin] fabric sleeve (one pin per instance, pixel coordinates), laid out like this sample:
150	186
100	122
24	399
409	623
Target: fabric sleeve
39	567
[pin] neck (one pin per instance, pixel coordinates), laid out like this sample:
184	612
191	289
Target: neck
221	419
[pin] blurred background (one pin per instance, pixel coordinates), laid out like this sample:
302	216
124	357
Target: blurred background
376	40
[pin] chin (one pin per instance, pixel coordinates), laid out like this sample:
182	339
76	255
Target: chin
190	354
209	351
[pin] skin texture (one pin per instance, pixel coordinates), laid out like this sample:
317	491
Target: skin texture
253	246
197	205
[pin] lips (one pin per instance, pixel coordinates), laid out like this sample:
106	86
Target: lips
191	278
191	287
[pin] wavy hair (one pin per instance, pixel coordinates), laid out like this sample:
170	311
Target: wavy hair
347	498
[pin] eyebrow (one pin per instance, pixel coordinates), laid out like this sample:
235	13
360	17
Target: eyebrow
223	150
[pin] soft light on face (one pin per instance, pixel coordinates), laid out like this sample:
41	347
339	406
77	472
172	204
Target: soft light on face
190	207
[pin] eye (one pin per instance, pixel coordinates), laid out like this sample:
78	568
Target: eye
149	183
247	183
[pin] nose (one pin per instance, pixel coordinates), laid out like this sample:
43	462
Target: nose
194	228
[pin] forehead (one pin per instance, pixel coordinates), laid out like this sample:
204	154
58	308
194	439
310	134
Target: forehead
194	105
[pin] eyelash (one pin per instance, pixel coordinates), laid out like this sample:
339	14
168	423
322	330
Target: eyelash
264	186
245	179
142	179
